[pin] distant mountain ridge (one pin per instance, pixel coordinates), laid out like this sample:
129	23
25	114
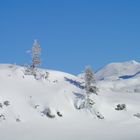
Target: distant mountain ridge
124	70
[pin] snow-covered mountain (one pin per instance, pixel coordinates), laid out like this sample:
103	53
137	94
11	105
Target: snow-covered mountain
117	70
36	108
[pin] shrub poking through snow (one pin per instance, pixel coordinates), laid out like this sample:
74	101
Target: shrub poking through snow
120	107
100	116
2	117
47	112
6	103
38	74
36	106
18	120
1	105
137	115
79	104
59	114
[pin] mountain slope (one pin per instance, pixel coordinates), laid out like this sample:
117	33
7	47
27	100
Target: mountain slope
28	95
44	108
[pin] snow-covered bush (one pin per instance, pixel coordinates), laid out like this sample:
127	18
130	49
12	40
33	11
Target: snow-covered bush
137	115
6	103
37	73
120	107
100	116
36	106
59	114
2	117
18	120
1	105
137	90
47	112
79	104
40	75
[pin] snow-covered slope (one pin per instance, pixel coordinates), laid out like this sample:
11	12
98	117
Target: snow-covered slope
25	102
28	97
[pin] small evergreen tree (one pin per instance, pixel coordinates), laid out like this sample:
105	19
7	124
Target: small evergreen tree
35	52
90	86
88	101
32	68
90	82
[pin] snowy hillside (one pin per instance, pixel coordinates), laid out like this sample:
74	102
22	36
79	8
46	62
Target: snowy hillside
36	108
28	96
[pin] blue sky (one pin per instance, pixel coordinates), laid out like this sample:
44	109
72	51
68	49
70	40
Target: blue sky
72	33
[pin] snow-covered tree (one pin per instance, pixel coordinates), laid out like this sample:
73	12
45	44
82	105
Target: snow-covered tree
32	69
90	82
90	86
35	52
88	101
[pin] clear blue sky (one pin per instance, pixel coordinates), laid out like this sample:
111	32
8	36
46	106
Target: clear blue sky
72	33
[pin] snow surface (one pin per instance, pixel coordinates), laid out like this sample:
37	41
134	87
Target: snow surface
28	98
